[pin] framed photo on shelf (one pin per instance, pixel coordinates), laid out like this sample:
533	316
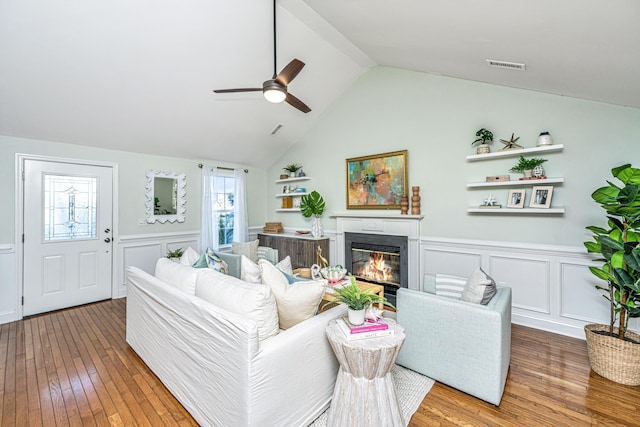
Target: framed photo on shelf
516	198
377	181
541	196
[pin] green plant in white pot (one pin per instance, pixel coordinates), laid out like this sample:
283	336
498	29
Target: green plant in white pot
526	166
614	352
312	205
357	300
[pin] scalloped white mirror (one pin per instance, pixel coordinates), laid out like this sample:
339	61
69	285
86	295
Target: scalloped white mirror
166	196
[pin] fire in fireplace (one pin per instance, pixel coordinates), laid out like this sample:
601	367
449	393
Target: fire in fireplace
380	259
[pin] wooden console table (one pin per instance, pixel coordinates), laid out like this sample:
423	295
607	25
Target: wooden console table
301	249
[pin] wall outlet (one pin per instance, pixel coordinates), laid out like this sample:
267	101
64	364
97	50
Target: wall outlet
142	221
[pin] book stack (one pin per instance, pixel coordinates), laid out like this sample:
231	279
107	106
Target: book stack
369	329
273	228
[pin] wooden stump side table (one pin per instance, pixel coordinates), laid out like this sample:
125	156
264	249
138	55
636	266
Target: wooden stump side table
365	395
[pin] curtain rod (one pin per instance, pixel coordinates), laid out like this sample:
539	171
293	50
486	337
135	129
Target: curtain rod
227	169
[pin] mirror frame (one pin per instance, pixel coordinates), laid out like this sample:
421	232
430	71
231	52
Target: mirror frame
181	200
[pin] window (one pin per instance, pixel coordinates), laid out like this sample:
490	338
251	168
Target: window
69	207
223	205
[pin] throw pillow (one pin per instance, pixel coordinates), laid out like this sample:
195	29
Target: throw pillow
248	249
296	302
209	259
285	265
249	270
450	286
177	275
189	257
270	254
480	288
252	301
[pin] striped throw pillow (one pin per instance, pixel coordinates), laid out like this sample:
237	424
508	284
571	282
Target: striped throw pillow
450	286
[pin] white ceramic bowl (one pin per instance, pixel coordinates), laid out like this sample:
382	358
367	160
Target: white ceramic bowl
333	274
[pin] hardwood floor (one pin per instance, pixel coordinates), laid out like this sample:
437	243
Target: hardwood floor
74	368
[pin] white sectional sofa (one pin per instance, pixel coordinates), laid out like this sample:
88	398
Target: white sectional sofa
214	362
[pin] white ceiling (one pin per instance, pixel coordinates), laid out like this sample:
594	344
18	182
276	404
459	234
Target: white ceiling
138	75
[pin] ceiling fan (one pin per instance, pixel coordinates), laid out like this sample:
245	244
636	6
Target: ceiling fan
275	89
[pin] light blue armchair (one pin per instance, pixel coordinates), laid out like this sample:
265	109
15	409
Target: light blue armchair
464	345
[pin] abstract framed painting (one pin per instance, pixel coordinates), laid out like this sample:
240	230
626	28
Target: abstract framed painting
377	181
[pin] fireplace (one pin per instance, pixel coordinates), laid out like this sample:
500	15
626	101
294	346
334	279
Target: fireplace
379	259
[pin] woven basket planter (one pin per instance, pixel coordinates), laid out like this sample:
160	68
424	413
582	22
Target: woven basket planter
613	358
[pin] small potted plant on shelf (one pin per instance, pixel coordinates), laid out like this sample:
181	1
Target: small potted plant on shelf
292	168
313	204
357	300
485	137
614	352
174	255
527	166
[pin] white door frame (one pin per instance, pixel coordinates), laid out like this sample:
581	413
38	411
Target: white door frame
19	220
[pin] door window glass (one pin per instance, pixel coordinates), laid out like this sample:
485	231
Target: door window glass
69	207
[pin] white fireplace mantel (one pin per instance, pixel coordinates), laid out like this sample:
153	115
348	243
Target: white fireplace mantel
383	224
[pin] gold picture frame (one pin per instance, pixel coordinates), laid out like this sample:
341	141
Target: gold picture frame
377	181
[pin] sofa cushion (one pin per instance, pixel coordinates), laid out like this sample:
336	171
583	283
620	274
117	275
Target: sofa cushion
480	288
450	286
248	249
296	302
253	301
189	257
179	276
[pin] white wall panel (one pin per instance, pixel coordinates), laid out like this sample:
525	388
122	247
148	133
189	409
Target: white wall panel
528	279
579	299
447	261
8	284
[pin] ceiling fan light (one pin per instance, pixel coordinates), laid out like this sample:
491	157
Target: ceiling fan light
273	92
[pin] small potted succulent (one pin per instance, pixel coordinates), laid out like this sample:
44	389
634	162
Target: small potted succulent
357	300
174	255
292	168
527	166
485	137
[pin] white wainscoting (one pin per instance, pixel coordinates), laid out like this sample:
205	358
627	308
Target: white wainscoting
8	284
143	251
552	287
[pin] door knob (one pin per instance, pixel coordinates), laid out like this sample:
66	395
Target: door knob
107	230
107	240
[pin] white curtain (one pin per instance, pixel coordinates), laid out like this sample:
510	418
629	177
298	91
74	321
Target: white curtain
240	218
210	216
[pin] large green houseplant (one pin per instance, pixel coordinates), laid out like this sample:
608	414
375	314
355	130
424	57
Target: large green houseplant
312	205
618	244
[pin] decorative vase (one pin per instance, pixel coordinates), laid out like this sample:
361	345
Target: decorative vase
528	173
404	205
612	358
538	171
356	317
415	201
301	173
317	230
483	149
544	139
292	174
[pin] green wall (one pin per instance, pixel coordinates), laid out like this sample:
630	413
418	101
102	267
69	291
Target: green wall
436	118
132	169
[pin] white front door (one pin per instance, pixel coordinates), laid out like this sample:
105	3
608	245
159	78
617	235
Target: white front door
67	235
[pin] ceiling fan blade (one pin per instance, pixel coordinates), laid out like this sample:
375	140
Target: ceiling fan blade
289	72
253	89
295	102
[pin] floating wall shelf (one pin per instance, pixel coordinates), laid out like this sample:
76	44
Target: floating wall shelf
515	153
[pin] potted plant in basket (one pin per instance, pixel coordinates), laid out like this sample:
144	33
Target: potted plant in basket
614	351
292	168
313	204
485	137
526	166
357	300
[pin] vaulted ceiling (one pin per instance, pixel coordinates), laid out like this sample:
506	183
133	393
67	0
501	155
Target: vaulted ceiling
138	75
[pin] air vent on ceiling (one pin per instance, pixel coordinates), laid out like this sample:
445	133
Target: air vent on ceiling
507	65
276	129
